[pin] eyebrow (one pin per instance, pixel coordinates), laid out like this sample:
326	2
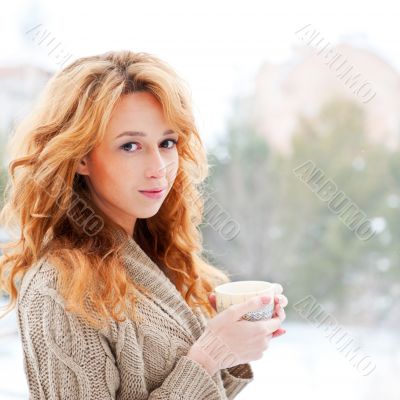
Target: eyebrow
138	133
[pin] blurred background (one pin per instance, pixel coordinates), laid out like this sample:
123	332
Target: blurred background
298	105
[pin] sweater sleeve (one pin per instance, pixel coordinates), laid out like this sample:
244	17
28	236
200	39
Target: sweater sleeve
66	359
236	378
63	358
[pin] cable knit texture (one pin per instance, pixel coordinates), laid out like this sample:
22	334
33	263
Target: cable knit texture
65	358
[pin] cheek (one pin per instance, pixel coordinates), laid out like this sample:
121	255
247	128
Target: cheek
112	177
173	168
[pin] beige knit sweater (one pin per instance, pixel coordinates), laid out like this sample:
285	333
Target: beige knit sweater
64	358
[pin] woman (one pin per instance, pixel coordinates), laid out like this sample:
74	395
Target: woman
107	274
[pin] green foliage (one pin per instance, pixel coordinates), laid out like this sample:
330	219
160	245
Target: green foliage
288	234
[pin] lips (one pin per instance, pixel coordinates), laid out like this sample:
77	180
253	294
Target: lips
156	190
153	193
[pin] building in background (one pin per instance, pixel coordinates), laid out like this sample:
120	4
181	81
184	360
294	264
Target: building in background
302	85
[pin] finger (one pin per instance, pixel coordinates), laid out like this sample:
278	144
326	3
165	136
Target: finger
213	300
283	301
273	324
276	307
279	312
253	304
278	304
279	332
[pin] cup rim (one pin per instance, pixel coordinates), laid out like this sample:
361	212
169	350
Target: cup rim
220	289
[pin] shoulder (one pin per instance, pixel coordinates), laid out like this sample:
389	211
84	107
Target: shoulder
40	304
38	300
58	346
38	278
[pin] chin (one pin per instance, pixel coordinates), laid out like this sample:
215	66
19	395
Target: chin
148	213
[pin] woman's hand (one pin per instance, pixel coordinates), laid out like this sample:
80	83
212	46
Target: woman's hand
229	340
280	300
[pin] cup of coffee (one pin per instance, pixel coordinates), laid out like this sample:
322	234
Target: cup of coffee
237	292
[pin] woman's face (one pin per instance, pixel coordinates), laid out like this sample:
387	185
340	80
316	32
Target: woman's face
138	153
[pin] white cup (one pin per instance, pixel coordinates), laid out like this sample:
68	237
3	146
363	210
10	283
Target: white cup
237	292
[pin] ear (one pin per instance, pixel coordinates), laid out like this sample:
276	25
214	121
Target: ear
83	168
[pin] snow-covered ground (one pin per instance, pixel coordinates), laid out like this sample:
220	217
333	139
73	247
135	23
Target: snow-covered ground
303	363
12	377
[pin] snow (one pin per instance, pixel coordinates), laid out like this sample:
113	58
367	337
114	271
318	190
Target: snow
302	363
12	377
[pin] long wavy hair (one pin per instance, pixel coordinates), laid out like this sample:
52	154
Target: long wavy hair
49	204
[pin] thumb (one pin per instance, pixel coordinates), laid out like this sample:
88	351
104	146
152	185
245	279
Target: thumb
253	304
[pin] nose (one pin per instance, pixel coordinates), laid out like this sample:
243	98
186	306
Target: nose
156	168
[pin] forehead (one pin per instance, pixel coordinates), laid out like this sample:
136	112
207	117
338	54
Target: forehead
136	111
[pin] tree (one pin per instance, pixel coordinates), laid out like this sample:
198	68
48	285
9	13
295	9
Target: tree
288	233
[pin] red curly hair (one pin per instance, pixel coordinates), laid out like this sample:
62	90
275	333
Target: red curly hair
45	151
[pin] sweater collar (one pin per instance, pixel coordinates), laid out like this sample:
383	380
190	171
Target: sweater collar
163	292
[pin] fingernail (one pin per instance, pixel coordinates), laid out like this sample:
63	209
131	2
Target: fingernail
265	299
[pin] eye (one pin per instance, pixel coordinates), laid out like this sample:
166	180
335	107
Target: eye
171	140
126	146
